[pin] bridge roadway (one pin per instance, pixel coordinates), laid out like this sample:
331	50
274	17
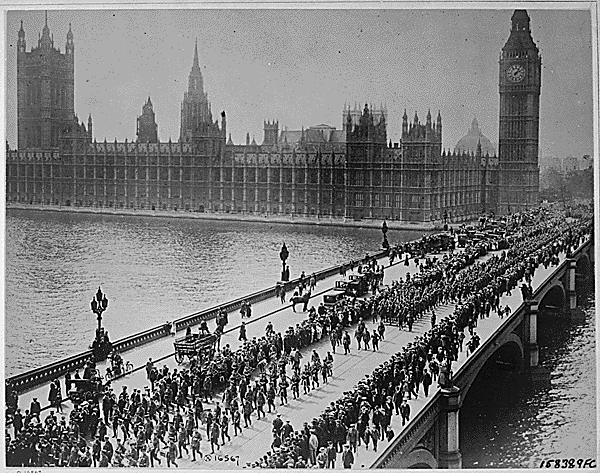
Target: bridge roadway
255	441
161	350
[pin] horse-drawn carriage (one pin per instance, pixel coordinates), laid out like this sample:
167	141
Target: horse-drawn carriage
195	345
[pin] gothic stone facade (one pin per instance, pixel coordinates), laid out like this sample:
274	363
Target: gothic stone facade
352	173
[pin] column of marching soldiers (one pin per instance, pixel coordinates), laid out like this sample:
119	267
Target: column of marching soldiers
168	418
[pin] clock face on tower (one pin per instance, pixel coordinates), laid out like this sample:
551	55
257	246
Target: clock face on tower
515	73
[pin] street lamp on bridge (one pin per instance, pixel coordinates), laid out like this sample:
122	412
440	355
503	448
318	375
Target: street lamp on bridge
101	346
384	230
99	305
285	272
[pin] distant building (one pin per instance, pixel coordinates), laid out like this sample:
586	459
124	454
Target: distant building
350	173
468	143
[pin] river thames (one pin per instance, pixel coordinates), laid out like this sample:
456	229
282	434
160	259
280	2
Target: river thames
151	269
516	425
158	269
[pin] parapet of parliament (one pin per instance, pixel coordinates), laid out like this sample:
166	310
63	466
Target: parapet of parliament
320	172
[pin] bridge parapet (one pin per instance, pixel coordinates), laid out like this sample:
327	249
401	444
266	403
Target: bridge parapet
436	420
43	374
394	455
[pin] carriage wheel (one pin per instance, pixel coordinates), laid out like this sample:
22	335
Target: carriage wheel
178	357
129	367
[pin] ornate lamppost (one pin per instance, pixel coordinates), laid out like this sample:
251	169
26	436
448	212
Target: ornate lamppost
99	305
384	230
101	345
283	254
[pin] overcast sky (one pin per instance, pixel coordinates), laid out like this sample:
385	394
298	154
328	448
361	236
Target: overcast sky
301	66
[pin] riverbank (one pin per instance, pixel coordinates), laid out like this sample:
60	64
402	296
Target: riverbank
285	219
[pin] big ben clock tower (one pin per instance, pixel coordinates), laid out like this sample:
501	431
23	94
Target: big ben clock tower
520	82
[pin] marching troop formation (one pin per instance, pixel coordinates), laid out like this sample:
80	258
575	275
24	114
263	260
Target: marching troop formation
364	414
167	418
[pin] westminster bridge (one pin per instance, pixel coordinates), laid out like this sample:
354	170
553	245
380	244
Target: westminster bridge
430	439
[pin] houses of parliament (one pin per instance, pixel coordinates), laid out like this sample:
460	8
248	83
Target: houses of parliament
352	173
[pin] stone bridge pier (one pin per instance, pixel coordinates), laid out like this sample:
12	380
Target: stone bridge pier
534	371
449	448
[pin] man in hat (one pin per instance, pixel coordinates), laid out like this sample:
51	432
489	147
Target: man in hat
287	429
96	450
313	446
277	424
17	422
347	456
331	454
322	458
35	409
172	453
215	431
108	449
404	412
195	444
242	336
346	342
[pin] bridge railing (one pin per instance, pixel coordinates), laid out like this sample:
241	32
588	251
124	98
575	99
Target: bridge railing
412	431
24	381
416	428
43	374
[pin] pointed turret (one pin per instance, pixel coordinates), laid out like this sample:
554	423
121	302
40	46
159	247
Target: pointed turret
404	123
247	139
416	119
21	41
230	141
45	41
89	130
147	129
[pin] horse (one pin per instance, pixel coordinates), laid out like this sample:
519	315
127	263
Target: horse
300	299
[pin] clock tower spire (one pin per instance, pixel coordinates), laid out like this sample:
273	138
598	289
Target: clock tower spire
520	76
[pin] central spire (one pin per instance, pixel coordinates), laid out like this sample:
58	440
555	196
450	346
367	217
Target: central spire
195	80
196	61
45	40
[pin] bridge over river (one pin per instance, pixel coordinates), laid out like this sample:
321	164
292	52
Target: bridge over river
430	439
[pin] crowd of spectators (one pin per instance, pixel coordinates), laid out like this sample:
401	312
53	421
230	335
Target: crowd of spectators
167	418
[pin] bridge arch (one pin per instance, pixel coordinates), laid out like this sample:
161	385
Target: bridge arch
553	298
509	352
420	459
